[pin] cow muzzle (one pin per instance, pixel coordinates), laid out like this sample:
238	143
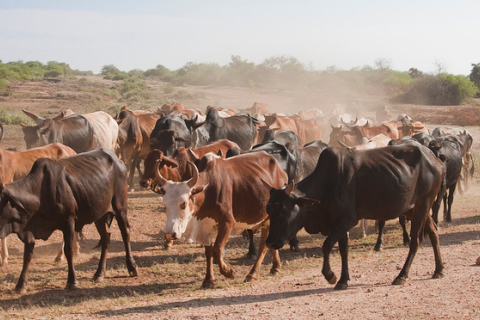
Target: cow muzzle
171	236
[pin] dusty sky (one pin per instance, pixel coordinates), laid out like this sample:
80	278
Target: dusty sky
144	33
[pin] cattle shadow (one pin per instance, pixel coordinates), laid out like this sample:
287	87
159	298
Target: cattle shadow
223	301
66	298
139	195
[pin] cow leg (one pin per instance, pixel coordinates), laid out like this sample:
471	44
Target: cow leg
434	239
418	224
294	244
262	250
131	174
343	247
4	252
220	242
124	227
445	203
339	232
76	249
29	242
403	222
379	244
209	281
104	232
448	217
69	239
252	250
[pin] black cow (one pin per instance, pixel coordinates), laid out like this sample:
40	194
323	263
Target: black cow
65	195
346	186
423	138
306	157
449	147
241	129
169	134
74	131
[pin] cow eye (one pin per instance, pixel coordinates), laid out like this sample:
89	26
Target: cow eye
183	206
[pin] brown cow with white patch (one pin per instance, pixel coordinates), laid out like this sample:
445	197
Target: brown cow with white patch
228	194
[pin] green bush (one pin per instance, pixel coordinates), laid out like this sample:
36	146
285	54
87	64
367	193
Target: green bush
443	89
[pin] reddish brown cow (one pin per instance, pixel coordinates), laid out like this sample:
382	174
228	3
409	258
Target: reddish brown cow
308	130
274	121
356	133
168	108
228	194
175	168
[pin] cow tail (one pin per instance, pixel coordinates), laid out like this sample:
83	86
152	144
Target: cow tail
472	169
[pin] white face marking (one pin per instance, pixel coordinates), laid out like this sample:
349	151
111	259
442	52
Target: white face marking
178	207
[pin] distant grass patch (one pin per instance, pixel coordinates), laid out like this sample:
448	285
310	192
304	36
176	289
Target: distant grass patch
8	116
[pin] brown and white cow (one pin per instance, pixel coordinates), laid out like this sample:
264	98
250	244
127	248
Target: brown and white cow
105	128
15	165
228	194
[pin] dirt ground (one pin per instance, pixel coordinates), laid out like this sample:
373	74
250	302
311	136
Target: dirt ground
168	284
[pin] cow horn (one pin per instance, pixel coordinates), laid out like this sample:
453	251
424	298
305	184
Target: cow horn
343	144
289	188
34	117
266	184
356	120
1	134
193	180
193	155
346	125
161	180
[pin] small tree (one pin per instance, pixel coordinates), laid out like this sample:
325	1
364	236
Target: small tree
475	75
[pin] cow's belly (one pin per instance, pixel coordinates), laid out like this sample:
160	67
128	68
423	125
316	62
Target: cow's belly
205	231
201	231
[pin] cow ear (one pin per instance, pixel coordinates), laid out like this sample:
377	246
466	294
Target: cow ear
169	162
304	202
119	121
220	153
14	202
159	190
197	190
23	125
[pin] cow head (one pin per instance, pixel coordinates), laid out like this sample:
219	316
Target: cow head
155	160
39	135
179	200
13	214
282	209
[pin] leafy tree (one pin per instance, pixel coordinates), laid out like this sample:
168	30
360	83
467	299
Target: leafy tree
475	74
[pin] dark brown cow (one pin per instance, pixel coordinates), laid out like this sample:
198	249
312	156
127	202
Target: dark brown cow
15	165
65	195
228	194
74	131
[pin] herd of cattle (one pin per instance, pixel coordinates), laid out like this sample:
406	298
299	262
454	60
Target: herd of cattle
223	171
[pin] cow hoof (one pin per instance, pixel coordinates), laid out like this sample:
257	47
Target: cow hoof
378	248
133	273
399	281
98	278
250	278
71	286
331	278
438	275
341	286
20	290
274	271
294	249
208	284
230	274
